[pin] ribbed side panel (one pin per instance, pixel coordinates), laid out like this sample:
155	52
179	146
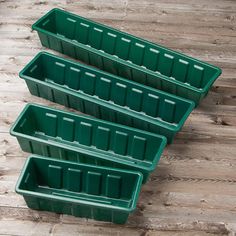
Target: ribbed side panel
113	186
85	133
55	44
139	147
51	124
119	96
74	181
44	39
93	184
135	99
121	143
180	69
54	176
103	88
103	138
88	83
169	109
117	217
74	76
68	125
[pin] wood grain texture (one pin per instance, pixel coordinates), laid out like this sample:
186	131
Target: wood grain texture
193	190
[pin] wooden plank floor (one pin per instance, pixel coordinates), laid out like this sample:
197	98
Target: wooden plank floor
193	190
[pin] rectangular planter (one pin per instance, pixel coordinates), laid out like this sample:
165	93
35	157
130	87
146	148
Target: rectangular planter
79	138
80	190
105	95
126	55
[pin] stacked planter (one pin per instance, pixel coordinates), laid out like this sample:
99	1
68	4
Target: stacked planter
141	95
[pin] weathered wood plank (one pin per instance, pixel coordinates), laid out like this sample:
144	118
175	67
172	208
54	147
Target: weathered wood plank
34	228
166	220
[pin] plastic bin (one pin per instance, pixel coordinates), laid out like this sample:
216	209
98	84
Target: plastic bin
80	190
65	135
126	55
106	96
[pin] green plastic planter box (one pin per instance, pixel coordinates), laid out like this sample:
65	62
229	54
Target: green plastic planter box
80	190
105	95
79	138
126	55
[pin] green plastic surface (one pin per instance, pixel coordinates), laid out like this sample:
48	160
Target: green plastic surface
105	95
126	55
65	135
80	190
